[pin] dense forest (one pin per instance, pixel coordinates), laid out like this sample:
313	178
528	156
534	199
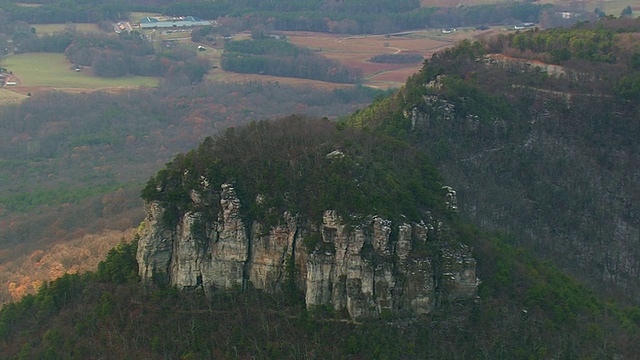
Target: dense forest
280	58
535	130
353	17
286	165
535	149
73	164
524	309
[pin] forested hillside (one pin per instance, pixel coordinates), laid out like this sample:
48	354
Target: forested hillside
280	58
287	166
72	165
524	308
537	132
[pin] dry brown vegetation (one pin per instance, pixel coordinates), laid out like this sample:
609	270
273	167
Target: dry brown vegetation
23	270
68	196
22	274
355	51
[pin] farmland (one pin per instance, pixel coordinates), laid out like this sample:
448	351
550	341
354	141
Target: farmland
10	97
355	51
610	7
42	29
352	51
38	71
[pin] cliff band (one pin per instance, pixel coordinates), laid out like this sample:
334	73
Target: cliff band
368	270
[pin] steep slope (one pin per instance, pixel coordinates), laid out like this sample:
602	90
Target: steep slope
523	308
80	172
300	177
546	150
358	222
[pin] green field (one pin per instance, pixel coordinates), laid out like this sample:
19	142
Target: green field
54	70
10	97
613	7
610	7
42	29
135	16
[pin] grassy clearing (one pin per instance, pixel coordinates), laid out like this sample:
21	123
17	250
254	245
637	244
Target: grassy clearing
53	70
27	4
456	3
42	29
10	97
135	16
176	34
355	51
615	7
610	7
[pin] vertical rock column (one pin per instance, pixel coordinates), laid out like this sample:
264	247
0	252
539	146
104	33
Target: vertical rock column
270	252
190	249
229	244
155	247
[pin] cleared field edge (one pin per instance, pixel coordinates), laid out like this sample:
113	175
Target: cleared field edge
55	71
42	71
43	29
10	97
355	51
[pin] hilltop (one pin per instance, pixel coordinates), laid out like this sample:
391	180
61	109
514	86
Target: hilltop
534	132
521	308
541	145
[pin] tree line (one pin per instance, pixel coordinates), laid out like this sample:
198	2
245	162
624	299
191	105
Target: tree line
544	149
280	58
525	309
397	58
109	56
559	45
355	16
63	156
61	13
130	54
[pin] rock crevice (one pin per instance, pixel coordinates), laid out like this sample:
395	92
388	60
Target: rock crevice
370	269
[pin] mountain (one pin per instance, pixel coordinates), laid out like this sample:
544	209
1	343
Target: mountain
303	281
306	238
537	131
358	223
72	181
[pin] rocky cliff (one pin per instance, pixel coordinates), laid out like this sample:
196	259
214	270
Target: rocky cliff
565	184
368	269
550	158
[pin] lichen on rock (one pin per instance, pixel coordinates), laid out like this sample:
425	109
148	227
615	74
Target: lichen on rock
362	269
275	206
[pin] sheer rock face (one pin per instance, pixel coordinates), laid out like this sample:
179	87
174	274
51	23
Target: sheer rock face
367	270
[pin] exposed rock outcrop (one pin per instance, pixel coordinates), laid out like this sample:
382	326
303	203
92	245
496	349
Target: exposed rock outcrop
369	269
558	176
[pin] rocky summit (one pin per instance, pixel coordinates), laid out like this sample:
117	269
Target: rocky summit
367	261
363	269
